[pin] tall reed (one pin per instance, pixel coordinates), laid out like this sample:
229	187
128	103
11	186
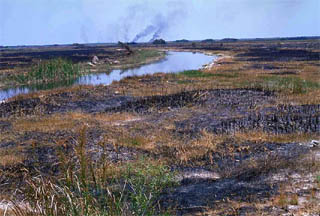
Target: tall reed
49	71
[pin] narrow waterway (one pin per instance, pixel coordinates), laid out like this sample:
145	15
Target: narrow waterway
174	62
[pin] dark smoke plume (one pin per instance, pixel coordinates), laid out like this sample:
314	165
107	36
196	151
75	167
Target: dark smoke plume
148	30
161	22
156	35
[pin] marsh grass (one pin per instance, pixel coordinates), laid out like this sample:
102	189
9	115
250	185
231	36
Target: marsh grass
293	85
88	187
141	57
49	71
202	74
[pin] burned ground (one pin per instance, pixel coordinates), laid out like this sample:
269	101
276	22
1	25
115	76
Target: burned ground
237	149
26	57
276	54
223	111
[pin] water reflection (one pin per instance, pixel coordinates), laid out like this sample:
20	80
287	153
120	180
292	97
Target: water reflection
173	63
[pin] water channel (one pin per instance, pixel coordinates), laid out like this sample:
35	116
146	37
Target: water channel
174	62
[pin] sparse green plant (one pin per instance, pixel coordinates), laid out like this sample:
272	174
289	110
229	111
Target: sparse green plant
141	56
195	74
294	200
87	188
282	200
293	85
318	181
202	74
48	71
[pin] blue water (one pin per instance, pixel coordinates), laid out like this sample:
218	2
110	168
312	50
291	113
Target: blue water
173	63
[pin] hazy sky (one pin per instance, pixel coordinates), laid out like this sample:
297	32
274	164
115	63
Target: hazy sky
25	22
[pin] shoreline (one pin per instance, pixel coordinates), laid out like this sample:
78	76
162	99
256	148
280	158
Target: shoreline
92	68
148	61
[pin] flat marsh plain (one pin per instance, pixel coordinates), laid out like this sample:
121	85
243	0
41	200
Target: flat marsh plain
240	137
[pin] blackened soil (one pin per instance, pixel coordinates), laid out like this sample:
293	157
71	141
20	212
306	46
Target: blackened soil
222	110
62	102
245	176
42	153
263	67
154	103
27	56
5	126
23	107
238	110
278	121
194	198
214	99
284	73
276	54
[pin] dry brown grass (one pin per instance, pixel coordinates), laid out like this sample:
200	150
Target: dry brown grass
260	136
70	121
197	148
10	159
126	129
11	156
115	118
50	123
311	97
246	76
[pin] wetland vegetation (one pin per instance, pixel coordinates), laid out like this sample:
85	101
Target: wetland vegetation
240	137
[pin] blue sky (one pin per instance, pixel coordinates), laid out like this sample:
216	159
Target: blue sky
26	22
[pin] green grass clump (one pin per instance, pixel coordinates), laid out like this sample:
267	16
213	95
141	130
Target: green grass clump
141	56
49	71
201	74
87	187
195	74
294	85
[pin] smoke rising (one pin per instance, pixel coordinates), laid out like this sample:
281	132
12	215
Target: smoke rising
161	22
27	22
148	30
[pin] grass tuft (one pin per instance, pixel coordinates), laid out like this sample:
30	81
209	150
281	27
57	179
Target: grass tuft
50	71
89	187
293	85
195	74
